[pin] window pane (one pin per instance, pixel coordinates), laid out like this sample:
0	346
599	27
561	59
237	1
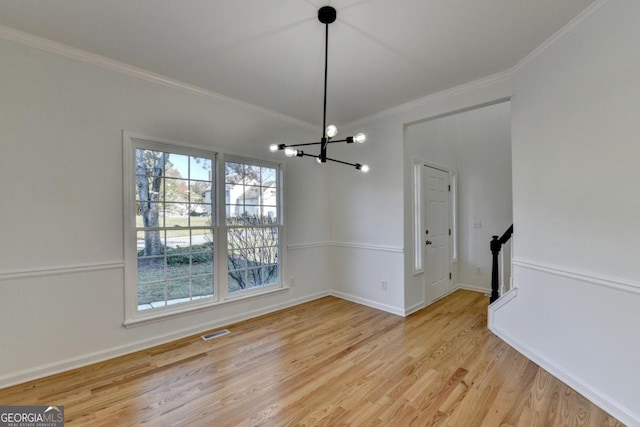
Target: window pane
270	236
236	260
236	238
268	177
149	189
200	215
269	214
176	190
151	295
149	215
254	277
252	214
233	173
269	196
150	269
251	175
234	194
202	286
269	255
199	192
270	275
236	215
201	240
201	263
150	243
237	280
177	166
149	162
178	265
200	168
178	291
252	195
252	257
176	240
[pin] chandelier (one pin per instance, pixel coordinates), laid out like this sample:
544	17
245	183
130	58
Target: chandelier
326	15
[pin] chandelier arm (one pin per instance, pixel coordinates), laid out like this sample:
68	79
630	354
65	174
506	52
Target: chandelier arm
344	163
302	145
314	143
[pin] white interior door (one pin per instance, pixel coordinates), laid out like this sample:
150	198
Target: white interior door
437	260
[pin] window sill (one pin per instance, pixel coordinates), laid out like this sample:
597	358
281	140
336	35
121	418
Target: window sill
191	308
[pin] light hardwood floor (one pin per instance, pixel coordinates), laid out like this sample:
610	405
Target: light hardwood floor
325	363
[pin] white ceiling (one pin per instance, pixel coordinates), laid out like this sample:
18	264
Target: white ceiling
382	53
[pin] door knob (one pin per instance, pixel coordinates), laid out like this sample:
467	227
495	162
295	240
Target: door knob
428	242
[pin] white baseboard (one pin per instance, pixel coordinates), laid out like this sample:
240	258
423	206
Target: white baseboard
473	288
369	303
559	277
498	304
414	308
618	411
100	356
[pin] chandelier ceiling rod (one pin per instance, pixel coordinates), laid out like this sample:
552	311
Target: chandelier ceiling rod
326	15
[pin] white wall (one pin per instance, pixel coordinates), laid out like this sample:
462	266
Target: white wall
576	153
370	219
61	273
366	234
476	144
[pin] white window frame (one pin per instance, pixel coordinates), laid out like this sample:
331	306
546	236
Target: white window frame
133	316
417	216
453	203
223	229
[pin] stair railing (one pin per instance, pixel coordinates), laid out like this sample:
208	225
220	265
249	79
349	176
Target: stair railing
496	247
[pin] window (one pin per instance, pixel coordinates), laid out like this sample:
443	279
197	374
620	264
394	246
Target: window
417	216
454	216
253	225
177	255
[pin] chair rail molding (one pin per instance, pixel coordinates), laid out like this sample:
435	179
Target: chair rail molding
608	282
62	270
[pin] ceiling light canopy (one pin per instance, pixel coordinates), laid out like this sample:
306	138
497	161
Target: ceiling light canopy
326	15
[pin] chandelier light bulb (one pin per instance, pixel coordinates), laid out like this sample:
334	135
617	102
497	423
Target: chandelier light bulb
332	131
360	138
273	148
290	152
318	160
364	168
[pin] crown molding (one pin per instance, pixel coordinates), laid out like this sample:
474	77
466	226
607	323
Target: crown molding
501	77
583	18
586	16
49	46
